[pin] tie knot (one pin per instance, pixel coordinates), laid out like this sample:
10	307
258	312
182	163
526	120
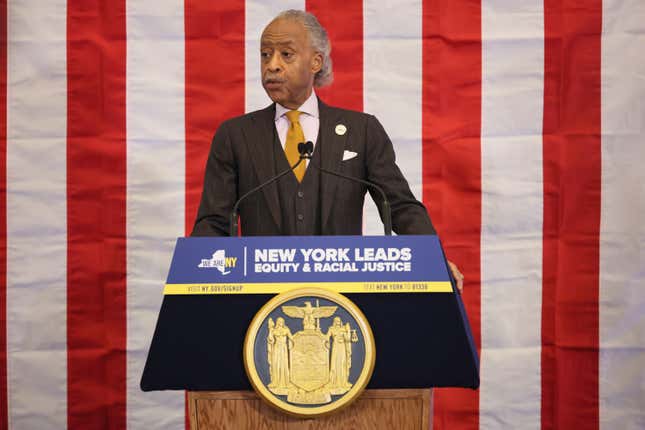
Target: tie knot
293	116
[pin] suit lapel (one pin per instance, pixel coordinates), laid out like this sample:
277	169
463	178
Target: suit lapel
259	138
332	151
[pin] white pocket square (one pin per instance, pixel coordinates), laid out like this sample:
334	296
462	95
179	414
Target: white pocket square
348	155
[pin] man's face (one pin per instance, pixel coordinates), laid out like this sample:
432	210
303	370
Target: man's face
289	63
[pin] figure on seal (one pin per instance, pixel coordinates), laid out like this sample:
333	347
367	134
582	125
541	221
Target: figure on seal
278	342
341	357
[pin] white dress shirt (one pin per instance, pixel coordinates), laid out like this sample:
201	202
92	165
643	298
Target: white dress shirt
309	120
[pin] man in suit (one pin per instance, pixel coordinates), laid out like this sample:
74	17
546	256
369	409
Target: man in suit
250	149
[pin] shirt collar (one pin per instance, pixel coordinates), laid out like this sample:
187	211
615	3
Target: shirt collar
309	107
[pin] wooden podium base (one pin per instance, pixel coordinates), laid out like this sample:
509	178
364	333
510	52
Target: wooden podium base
409	409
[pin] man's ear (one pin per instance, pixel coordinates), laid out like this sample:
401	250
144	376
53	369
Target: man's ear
316	62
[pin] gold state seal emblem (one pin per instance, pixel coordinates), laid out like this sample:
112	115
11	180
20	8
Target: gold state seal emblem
309	351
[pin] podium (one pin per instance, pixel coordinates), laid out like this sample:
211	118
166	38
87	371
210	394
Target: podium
402	284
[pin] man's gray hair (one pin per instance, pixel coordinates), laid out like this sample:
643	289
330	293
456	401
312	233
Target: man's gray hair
319	41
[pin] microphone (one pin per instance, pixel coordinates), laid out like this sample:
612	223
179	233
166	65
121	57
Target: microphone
234	213
306	150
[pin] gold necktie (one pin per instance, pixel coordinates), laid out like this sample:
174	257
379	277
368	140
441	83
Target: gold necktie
294	137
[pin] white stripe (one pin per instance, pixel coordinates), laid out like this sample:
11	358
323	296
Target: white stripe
258	14
155	190
392	86
622	232
511	242
36	214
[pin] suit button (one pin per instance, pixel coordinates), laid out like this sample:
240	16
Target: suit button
301	217
301	194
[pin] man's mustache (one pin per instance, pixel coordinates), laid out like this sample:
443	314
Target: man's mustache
272	80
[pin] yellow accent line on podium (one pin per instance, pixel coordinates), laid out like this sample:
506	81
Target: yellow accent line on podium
339	287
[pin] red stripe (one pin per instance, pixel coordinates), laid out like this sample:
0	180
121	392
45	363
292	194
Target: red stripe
452	165
96	217
572	169
214	35
343	20
214	83
3	212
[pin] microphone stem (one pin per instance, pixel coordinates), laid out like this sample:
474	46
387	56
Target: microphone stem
387	213
306	155
233	224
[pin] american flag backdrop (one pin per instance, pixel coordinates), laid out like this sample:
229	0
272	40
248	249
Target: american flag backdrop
519	123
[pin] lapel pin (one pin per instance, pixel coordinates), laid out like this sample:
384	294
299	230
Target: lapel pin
341	129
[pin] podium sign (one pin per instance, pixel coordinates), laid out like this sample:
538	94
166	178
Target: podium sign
346	264
215	286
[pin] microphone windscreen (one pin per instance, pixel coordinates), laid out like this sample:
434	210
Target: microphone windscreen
309	147
306	148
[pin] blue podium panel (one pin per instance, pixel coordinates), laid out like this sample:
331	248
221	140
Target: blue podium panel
401	283
349	264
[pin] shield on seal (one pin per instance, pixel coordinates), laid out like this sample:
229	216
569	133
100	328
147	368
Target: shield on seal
309	360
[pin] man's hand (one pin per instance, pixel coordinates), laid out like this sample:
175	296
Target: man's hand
458	276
